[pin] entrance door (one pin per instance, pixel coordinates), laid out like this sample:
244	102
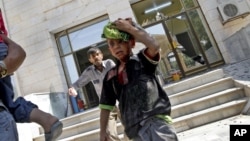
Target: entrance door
187	43
182	51
170	62
188	49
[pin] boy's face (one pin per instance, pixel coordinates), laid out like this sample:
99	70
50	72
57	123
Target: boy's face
119	48
96	58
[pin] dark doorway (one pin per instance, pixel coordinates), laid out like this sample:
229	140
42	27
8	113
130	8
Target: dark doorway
89	92
185	41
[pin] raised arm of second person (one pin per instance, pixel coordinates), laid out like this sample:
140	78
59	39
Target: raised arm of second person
81	81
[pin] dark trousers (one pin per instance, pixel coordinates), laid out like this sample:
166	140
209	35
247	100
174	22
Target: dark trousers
20	108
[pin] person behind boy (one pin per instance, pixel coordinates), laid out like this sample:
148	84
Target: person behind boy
95	74
11	57
144	105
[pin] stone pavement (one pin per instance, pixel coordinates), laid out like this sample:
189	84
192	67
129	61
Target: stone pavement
219	131
239	71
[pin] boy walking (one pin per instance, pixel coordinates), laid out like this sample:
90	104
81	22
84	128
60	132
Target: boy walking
144	106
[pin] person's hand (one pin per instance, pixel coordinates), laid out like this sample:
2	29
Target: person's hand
123	24
72	92
104	136
130	20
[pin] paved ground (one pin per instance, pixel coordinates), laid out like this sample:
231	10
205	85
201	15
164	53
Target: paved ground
219	131
239	71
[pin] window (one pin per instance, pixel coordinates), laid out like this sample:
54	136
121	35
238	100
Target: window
187	44
73	44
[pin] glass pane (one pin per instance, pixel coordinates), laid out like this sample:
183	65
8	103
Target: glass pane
189	3
87	35
149	11
164	67
70	68
64	45
204	36
156	29
186	45
72	74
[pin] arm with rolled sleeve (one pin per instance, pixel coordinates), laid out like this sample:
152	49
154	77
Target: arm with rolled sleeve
80	82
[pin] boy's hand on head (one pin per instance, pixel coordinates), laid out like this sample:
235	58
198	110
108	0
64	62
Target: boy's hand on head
123	24
129	20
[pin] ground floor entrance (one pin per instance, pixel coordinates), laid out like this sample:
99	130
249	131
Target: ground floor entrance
183	52
187	44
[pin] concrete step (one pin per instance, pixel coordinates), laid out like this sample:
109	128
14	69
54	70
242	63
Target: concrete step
193	82
92	135
182	123
201	91
209	115
78	118
206	102
88	129
195	101
179	110
84	127
81	117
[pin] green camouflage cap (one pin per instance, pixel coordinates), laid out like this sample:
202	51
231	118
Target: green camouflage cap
110	32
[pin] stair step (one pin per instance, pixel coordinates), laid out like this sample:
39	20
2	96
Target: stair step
81	117
207	101
209	115
81	128
181	124
201	91
78	118
92	135
193	82
195	101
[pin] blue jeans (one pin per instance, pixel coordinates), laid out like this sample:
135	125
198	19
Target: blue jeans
8	129
20	108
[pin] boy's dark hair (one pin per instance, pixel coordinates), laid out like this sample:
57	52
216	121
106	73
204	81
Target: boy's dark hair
93	50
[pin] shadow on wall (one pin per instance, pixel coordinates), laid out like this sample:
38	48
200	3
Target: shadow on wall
54	103
238	45
58	102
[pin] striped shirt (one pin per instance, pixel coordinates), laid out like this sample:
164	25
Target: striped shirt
3	50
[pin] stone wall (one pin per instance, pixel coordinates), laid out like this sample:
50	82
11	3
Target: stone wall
219	30
33	24
238	45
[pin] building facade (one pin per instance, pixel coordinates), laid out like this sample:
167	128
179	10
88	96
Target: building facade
195	35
